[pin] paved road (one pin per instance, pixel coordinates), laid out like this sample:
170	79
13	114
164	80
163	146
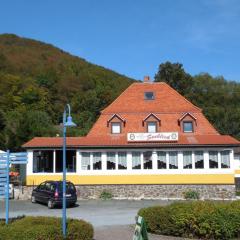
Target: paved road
124	233
111	219
99	213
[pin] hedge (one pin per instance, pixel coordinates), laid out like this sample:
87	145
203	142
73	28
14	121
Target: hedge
197	219
45	228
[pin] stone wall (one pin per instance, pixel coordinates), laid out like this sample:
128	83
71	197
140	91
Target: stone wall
156	191
143	191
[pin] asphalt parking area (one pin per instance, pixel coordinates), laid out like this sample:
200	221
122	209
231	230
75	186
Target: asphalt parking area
112	219
98	212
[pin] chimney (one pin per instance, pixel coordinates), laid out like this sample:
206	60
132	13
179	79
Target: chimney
146	79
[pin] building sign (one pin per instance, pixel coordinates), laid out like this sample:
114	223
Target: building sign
157	137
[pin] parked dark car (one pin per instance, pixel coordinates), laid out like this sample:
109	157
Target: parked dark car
50	193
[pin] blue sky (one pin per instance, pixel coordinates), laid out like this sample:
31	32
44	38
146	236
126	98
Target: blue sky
133	37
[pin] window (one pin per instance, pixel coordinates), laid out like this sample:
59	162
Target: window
151	127
225	159
111	161
173	160
116	127
136	160
199	160
147	160
213	159
187	127
187	159
70	160
122	160
85	164
97	161
149	96
43	161
49	187
42	186
161	160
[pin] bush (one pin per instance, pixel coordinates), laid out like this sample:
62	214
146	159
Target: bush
191	194
205	220
41	228
105	195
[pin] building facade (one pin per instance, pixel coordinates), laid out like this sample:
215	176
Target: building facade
150	142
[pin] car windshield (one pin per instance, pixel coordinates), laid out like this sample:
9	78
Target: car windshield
69	187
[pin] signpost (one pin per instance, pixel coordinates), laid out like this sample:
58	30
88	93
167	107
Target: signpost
5	160
140	232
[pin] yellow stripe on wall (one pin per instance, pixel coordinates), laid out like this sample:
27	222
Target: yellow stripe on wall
137	179
237	171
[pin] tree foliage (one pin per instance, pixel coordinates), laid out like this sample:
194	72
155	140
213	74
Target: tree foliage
219	99
38	79
175	76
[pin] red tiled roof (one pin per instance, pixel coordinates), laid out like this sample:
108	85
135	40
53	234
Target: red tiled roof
168	106
121	141
169	123
166	100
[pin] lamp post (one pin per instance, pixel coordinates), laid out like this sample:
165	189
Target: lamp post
67	122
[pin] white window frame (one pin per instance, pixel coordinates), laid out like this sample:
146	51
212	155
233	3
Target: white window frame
115	127
153	124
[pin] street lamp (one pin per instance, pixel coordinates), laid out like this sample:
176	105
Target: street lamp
67	122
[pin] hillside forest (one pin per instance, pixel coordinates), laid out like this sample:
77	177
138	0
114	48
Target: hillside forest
38	79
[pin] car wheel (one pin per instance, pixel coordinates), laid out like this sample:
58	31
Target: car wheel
33	199
50	204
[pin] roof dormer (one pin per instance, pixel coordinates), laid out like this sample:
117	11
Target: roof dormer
151	117
152	123
187	122
117	123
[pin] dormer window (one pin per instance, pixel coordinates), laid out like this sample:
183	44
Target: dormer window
116	123
188	123
188	127
116	127
151	127
149	96
151	123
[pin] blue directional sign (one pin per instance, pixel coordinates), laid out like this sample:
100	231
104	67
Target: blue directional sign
18	158
5	160
3	174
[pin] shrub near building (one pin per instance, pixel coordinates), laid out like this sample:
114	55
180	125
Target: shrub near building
39	228
208	220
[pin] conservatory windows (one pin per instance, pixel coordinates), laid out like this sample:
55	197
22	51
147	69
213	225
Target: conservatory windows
136	160
161	160
213	159
225	159
122	160
199	160
97	160
111	161
173	160
187	159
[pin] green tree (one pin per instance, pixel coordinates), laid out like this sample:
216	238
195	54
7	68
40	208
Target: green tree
174	75
22	126
218	98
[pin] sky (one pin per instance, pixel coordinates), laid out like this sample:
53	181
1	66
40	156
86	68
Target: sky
133	37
